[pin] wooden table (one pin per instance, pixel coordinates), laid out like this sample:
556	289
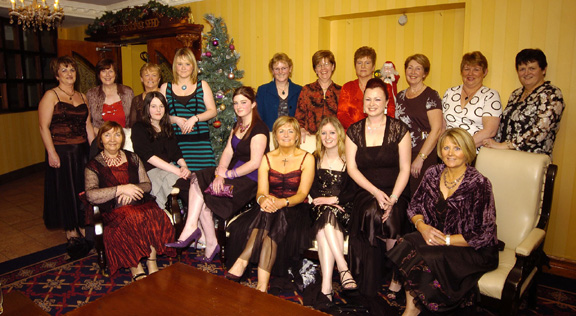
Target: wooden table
184	290
18	304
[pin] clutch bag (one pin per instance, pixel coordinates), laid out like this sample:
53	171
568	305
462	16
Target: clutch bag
227	190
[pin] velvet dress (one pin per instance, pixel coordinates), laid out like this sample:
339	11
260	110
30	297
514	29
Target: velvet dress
289	228
129	230
62	206
380	165
245	187
443	278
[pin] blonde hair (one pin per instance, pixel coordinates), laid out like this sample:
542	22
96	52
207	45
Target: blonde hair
320	149
282	120
461	138
279	57
150	67
187	55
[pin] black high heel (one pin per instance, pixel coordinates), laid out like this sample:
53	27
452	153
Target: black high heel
138	276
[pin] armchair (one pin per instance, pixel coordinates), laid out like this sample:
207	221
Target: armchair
523	184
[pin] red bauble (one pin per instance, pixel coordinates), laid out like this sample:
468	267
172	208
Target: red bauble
217	124
231	76
231	46
208	54
215	42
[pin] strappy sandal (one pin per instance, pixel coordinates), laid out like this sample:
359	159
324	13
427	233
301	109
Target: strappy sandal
138	276
148	265
346	282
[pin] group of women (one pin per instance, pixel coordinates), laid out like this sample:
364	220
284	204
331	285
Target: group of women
370	178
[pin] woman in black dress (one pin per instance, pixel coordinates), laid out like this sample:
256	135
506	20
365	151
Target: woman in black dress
378	158
332	193
238	166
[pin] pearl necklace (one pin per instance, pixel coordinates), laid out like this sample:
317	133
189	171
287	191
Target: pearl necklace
112	161
450	185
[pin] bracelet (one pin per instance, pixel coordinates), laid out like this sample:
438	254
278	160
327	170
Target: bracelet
197	118
287	202
422	155
226	174
448	240
416	223
394	196
235	173
258	199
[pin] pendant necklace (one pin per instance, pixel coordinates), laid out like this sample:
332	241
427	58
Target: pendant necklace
285	160
70	95
450	185
468	95
184	87
243	128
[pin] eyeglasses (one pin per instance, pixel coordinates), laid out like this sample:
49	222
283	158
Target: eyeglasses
324	65
283	69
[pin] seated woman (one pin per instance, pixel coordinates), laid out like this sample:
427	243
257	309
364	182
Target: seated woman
332	193
136	227
532	117
453	211
276	227
154	142
238	167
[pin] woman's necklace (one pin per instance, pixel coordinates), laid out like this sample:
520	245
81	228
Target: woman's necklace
371	128
112	161
450	185
243	128
68	94
416	92
283	89
329	163
285	160
469	94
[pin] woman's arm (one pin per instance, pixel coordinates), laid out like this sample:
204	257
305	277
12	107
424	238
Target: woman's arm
302	114
489	130
90	129
436	120
45	112
404	156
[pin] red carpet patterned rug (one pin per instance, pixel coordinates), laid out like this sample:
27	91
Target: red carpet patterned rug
59	286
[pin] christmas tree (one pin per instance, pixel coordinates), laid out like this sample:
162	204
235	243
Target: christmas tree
218	68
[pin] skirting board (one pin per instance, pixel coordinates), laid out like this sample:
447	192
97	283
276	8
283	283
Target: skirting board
20	173
562	267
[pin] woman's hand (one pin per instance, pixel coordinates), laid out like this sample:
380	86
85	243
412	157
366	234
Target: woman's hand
431	235
491	143
221	172
124	200
54	160
268	204
328	200
131	191
180	121
184	172
416	167
218	184
189	124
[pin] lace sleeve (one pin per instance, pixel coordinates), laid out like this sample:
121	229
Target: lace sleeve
355	133
94	193
397	130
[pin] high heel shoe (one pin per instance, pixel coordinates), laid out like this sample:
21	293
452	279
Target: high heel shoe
209	259
185	243
348	284
233	278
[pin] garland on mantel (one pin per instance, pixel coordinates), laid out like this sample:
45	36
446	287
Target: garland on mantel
132	15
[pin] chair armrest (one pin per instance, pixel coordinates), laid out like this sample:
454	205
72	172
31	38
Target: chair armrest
534	239
175	191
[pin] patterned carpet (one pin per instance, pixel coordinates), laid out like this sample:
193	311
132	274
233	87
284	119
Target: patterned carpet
59	286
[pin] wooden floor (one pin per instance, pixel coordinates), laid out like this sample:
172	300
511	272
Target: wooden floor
184	290
21	223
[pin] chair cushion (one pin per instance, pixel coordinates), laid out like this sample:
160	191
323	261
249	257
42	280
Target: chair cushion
517	181
492	283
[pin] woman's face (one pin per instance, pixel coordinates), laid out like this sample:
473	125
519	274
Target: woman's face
324	69
531	75
375	102
157	110
243	106
414	73
452	155
184	68
364	67
473	75
286	135
150	80
281	71
112	140
66	74
108	76
329	136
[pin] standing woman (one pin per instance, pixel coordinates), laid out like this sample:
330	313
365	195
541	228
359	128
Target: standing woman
420	107
191	105
320	98
150	77
280	96
277	224
378	159
109	100
238	167
532	117
154	142
352	94
66	130
332	193
471	105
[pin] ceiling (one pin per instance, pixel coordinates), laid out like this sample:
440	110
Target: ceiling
82	12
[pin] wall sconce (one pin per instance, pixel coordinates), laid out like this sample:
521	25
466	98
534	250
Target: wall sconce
402	20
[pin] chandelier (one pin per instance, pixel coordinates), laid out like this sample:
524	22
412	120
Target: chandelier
35	15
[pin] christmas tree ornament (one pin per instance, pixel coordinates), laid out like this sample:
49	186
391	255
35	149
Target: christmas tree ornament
217	124
377	74
215	42
208	54
231	76
222	107
231	46
219	94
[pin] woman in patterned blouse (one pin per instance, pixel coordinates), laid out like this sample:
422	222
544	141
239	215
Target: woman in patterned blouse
320	98
532	116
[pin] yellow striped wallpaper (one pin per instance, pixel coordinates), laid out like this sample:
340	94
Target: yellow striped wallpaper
441	29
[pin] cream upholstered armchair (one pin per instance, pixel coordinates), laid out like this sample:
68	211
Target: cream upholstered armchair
522	184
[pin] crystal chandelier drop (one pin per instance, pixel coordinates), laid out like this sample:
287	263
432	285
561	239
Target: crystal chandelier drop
36	16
